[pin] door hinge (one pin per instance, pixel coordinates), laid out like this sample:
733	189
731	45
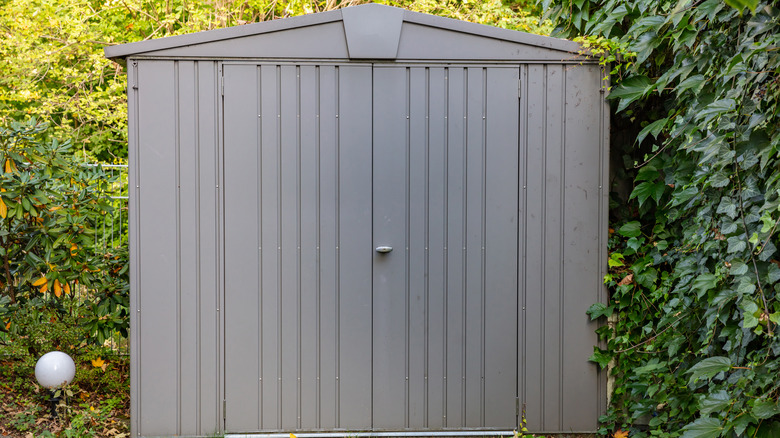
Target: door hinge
517	411
224	410
519	88
222	86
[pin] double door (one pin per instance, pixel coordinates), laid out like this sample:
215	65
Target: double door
371	247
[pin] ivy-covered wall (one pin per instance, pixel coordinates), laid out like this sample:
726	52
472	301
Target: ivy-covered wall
694	270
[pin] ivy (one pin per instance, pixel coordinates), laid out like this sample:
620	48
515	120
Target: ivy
694	269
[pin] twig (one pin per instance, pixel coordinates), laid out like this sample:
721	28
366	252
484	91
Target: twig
671	324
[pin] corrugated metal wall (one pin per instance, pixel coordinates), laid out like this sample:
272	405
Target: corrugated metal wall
563	243
497	232
175	247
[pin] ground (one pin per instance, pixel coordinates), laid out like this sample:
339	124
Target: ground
95	404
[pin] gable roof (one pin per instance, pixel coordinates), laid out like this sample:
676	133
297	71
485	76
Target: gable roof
369	31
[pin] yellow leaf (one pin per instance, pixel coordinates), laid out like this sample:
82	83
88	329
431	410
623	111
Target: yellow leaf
98	363
57	288
67	289
73	248
292	435
8	326
39	281
44	288
7	166
621	434
3	209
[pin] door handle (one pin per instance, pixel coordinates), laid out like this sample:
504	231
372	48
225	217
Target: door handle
384	249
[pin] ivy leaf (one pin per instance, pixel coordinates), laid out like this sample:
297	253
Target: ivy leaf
715	401
716	108
749	311
630	90
736	244
709	367
719	179
653	129
773	274
764	408
704	427
740	5
738	268
648	189
703	283
742	422
694	82
647	173
683	195
600	357
598	310
728	207
631	229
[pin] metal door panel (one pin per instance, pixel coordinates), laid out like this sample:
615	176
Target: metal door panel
326	163
438	158
292	236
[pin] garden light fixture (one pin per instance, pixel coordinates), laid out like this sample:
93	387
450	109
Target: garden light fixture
54	370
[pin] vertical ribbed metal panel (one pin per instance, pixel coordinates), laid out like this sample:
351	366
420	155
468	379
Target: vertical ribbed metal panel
298	255
174	292
562	226
412	339
444	146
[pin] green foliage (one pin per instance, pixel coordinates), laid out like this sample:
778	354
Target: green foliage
694	272
53	65
51	263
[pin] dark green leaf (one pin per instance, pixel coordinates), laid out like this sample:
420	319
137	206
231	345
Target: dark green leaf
709	367
600	357
598	310
713	402
704	427
653	129
630	90
631	229
678	197
736	244
765	408
703	283
648	189
695	82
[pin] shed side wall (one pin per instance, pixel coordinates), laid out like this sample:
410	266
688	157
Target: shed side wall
560	270
174	356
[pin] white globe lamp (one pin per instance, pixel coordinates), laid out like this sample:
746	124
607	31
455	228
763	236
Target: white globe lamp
54	369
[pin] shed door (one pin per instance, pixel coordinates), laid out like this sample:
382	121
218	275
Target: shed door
323	165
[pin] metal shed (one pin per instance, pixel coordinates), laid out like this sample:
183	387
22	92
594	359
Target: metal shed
365	220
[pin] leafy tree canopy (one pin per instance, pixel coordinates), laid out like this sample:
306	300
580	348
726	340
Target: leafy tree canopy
52	64
695	276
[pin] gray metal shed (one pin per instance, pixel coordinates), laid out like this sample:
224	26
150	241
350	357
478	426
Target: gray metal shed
274	166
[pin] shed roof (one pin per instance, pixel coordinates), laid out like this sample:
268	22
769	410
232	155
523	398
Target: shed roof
369	31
